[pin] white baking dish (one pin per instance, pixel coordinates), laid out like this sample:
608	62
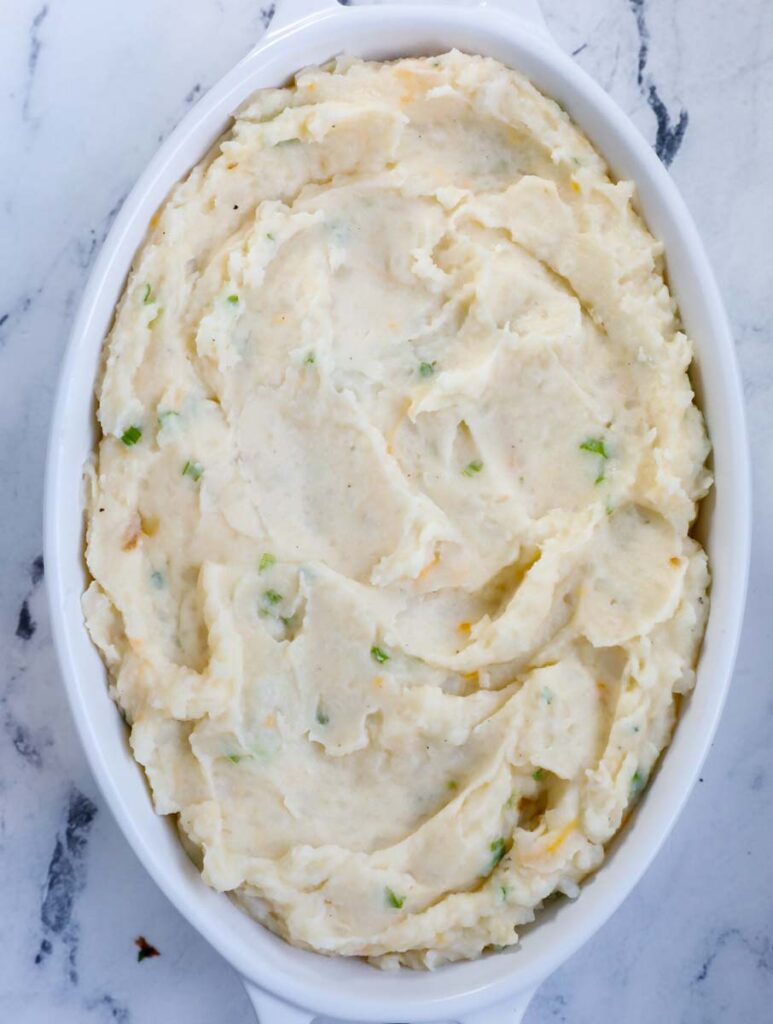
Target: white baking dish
286	984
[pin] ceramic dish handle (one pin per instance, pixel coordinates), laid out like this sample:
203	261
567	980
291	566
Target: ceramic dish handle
510	1012
270	1010
291	12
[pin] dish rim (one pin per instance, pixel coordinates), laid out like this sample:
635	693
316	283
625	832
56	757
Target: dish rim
315	25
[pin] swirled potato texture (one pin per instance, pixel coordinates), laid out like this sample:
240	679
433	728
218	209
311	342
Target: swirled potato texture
389	522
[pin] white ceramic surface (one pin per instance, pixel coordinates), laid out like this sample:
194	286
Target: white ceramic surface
726	426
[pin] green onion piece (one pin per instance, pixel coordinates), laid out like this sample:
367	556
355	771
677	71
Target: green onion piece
266	561
322	716
473	467
233	299
287	142
131	436
393	899
427	369
538	775
272	596
497	851
310	359
235	758
269	236
503	891
147	295
600	479
156	318
193	470
638	781
379	655
452	784
596	446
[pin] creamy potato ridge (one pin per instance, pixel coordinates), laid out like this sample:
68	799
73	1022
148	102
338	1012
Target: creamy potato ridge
388	526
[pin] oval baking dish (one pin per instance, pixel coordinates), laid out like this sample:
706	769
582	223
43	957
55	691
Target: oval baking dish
287	984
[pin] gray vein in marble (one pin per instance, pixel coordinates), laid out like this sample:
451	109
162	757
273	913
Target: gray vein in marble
23	740
14	313
37	570
117	1011
193	94
611	74
669	137
66	878
85	253
33	56
267	15
26	625
760	949
87	250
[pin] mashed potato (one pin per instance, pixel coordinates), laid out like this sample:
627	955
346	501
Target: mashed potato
388	525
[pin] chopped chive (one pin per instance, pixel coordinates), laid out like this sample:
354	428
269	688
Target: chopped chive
310	359
272	596
233	299
473	467
269	236
156	318
235	758
287	142
596	446
503	891
147	295
157	580
497	851
393	899
266	561
131	436
638	781
322	716
427	369
600	479
193	470
452	784
379	655
538	775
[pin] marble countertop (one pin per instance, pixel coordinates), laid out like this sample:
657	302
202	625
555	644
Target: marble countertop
87	91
